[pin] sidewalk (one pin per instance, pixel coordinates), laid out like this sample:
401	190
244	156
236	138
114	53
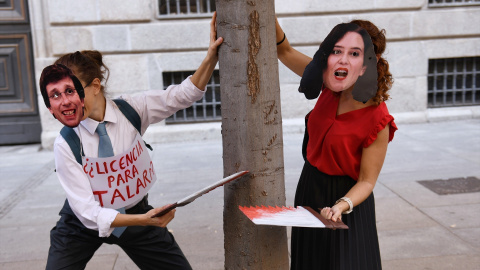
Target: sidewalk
418	229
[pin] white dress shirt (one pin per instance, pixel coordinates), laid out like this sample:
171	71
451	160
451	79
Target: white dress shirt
153	107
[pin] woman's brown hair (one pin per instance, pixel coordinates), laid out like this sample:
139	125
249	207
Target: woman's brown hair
86	65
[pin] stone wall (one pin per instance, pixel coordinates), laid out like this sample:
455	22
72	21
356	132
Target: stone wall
415	33
138	47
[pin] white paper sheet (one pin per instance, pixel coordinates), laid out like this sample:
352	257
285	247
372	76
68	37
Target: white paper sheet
282	216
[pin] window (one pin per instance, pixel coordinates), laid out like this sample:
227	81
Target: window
205	110
453	82
449	3
185	8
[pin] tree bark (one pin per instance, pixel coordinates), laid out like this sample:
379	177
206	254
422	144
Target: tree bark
251	132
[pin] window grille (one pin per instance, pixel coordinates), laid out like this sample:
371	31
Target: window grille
185	8
449	3
453	82
205	110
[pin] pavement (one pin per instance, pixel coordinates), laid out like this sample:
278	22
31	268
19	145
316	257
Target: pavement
418	228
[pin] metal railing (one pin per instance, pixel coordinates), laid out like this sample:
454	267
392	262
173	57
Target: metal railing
453	82
205	110
185	8
450	3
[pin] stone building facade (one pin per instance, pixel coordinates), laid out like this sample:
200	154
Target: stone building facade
140	46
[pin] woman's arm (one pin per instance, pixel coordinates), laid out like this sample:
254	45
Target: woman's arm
201	77
370	167
291	58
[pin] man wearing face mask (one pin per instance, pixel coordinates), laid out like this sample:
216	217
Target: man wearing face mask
63	95
103	164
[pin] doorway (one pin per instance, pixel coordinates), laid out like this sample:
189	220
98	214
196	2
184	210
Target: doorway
19	115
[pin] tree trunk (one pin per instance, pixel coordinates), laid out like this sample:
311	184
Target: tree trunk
251	131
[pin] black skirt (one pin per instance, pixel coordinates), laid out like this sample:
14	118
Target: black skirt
355	248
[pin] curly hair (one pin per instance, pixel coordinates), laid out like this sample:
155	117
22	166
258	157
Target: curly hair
385	79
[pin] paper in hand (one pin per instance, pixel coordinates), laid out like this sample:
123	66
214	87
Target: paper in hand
302	216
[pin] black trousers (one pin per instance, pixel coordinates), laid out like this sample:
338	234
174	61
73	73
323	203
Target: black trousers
317	248
72	245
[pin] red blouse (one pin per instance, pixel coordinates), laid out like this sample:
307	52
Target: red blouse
336	141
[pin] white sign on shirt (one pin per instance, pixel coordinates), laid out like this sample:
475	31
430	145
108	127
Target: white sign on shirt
123	179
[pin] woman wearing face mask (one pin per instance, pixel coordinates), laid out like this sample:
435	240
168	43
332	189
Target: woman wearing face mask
346	139
117	210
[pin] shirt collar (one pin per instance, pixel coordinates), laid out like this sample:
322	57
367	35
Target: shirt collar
110	116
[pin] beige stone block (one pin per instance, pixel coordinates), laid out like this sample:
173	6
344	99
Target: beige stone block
316	6
313	29
396	23
294	104
125	10
310	30
409	117
406	59
173	62
38	27
404	4
40	64
446	22
72	11
161	133
175	35
408	94
128	74
475	111
47	138
448	48
449	114
111	38
180	61
50	126
286	76
70	39
155	74
49	123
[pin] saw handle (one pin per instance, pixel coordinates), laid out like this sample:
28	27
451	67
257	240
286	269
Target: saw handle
165	210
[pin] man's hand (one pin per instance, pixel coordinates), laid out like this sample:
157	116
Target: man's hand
161	221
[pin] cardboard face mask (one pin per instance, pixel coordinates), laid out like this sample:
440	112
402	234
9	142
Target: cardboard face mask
63	94
312	80
65	103
366	86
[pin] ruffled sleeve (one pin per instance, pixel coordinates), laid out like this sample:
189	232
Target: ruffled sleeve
386	120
